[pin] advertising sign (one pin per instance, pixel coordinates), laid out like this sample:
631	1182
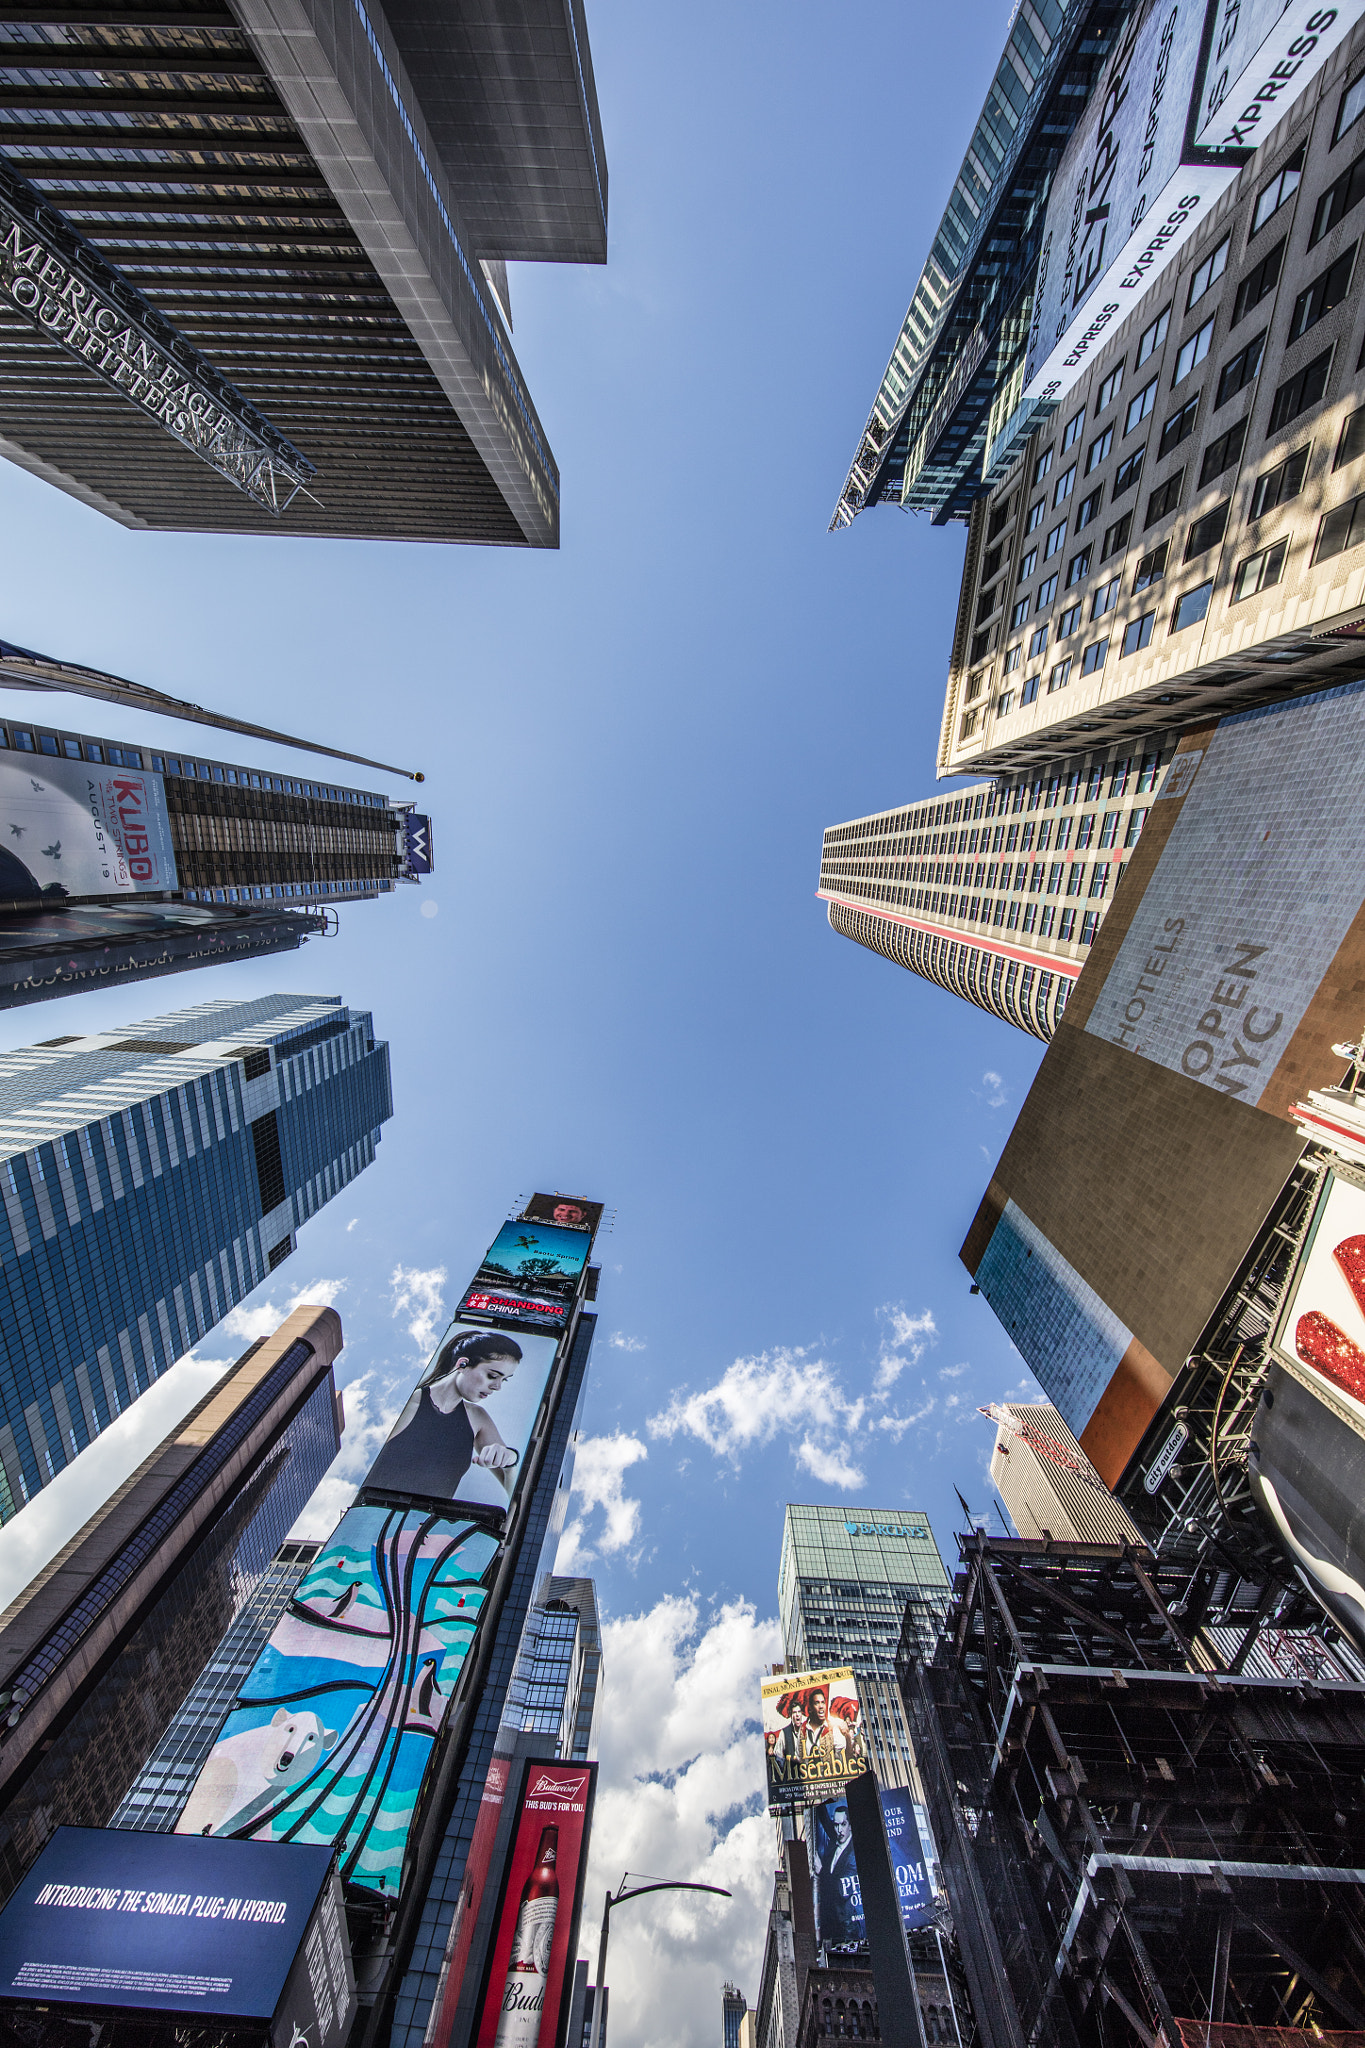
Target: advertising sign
839	1919
465	1427
112	1918
472	1885
812	1733
334	1727
570	1212
539	1258
530	1967
80	829
1322	1327
417	855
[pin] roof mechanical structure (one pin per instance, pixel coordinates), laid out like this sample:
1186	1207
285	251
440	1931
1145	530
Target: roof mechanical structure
281	196
959	358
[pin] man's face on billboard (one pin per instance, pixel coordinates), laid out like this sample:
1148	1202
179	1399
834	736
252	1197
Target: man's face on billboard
819	1709
569	1214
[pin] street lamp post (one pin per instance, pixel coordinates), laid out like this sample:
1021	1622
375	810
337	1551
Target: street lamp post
624	1892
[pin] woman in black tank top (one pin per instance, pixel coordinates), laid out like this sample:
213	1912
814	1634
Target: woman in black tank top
444	1429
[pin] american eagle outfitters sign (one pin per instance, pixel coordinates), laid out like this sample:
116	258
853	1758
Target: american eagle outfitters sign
67	291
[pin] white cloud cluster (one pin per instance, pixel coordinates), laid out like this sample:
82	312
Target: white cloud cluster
904	1345
681	1795
252	1319
420	1296
779	1393
371	1411
620	1342
600	1463
997	1095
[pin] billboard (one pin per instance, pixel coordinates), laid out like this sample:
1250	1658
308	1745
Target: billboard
417	850
218	1930
73	828
530	1275
839	1919
460	1939
333	1730
1189	92
570	1212
1160	1128
463	1431
1321	1332
812	1735
530	1970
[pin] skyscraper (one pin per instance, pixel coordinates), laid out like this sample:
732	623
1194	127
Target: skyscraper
732	2010
101	1649
1001	913
282	298
1046	1481
150	1179
845	1581
153	1801
554	1690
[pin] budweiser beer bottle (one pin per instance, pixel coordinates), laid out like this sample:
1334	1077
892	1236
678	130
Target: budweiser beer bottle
528	1968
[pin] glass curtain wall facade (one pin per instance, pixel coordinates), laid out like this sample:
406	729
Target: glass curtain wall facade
559	1671
153	1803
148	1181
844	1584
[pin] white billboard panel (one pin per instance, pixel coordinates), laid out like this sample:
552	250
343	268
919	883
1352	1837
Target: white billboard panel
82	828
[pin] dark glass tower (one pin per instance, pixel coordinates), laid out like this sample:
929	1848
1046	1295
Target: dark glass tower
148	1182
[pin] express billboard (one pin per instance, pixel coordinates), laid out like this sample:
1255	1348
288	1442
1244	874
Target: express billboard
839	1921
812	1735
463	1431
153	1923
334	1727
526	1996
81	829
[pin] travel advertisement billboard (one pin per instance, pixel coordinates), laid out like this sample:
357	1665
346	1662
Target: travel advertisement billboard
839	1919
463	1431
335	1725
530	1275
221	1930
570	1212
79	829
530	1972
812	1735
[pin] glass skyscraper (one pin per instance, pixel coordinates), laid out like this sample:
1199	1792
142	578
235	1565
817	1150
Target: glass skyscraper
149	1179
845	1580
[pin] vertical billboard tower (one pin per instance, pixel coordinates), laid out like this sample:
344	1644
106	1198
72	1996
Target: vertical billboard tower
349	1726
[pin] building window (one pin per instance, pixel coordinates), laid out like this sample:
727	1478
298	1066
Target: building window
1323	295
1222	454
1116	536
1280	484
1109	830
1019	614
1109	386
1300	391
1099	448
1338	200
1078	568
1259	572
1060	677
1029	691
1042	466
1208	531
1341	530
1027	566
1068	622
1088	508
1066	927
1136	821
1351	446
1351	108
1005	704
1128	472
1104	600
1072	431
1258	283
1064	485
1178	427
1093	657
1281	187
1209	272
1090	927
1147	774
1153	336
1137	634
1165	498
1047	590
1037	643
1151	568
1139	407
1045	925
1054	541
1192	352
1035	514
1030	917
1192	607
1238	373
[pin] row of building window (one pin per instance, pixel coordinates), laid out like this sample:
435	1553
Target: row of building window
76	747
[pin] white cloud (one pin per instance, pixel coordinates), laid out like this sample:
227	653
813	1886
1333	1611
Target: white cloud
952	1372
419	1296
997	1095
600	1463
253	1319
782	1392
681	1794
903	1346
896	1425
620	1342
371	1412
831	1467
352	1224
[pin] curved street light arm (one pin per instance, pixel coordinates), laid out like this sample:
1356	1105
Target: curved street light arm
664	1884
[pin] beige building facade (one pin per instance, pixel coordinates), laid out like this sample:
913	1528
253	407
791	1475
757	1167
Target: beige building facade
1047	1483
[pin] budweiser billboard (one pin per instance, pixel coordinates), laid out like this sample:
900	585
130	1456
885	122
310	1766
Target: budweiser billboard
525	1999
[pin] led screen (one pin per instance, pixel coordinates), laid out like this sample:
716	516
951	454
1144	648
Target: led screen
334	1727
535	1258
78	828
111	1917
537	1925
839	1919
812	1734
570	1212
464	1430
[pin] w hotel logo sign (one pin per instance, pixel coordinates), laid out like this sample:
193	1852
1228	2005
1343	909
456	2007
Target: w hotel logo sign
417	855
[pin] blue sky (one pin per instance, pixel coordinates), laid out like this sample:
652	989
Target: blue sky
627	987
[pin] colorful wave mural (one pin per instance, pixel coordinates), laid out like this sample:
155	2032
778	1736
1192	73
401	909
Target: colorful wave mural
332	1733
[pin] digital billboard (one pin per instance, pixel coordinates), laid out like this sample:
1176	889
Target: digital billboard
570	1212
1160	1128
464	1429
473	1884
839	1919
530	1969
158	1924
334	1727
812	1735
81	829
535	1258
